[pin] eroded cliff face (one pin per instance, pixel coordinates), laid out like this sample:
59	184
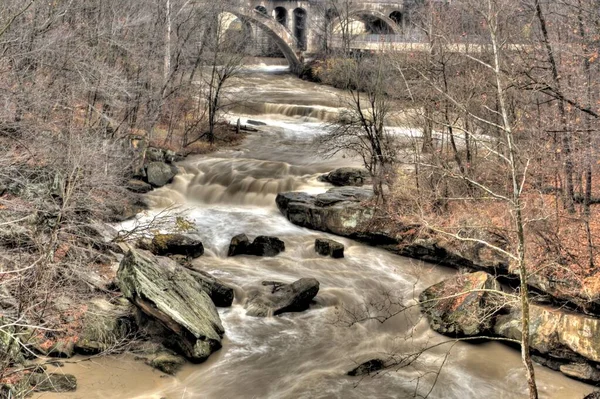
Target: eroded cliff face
473	305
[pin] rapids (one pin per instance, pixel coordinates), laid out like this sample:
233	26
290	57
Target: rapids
303	355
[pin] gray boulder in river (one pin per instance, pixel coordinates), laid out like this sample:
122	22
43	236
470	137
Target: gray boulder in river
176	244
281	298
347	177
166	292
159	174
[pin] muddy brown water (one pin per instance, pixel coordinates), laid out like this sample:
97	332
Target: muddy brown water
303	355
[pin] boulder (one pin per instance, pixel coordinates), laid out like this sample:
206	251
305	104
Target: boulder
159	174
42	382
368	367
461	306
176	244
239	245
593	395
220	293
154	154
138	186
167	293
266	246
347	177
172	156
326	247
282	298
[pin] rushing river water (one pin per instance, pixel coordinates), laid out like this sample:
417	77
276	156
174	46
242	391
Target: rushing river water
303	355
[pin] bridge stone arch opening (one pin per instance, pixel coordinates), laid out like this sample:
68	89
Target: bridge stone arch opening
262	10
281	15
375	22
301	27
278	33
398	18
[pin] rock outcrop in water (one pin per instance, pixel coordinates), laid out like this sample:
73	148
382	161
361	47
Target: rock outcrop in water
167	293
239	245
368	367
276	298
326	247
346	177
261	246
562	340
177	244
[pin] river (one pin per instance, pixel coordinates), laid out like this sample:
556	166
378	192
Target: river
303	355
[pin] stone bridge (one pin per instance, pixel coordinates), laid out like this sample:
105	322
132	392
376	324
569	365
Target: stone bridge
300	27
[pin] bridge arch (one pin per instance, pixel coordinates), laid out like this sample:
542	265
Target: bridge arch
301	27
262	10
397	17
281	15
282	37
376	21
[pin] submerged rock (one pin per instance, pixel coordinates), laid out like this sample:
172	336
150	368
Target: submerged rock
326	247
282	298
239	245
42	382
347	177
176	244
368	367
167	293
462	305
166	362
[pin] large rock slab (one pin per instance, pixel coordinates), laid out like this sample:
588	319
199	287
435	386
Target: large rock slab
347	177
167	293
462	306
281	298
338	211
176	244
